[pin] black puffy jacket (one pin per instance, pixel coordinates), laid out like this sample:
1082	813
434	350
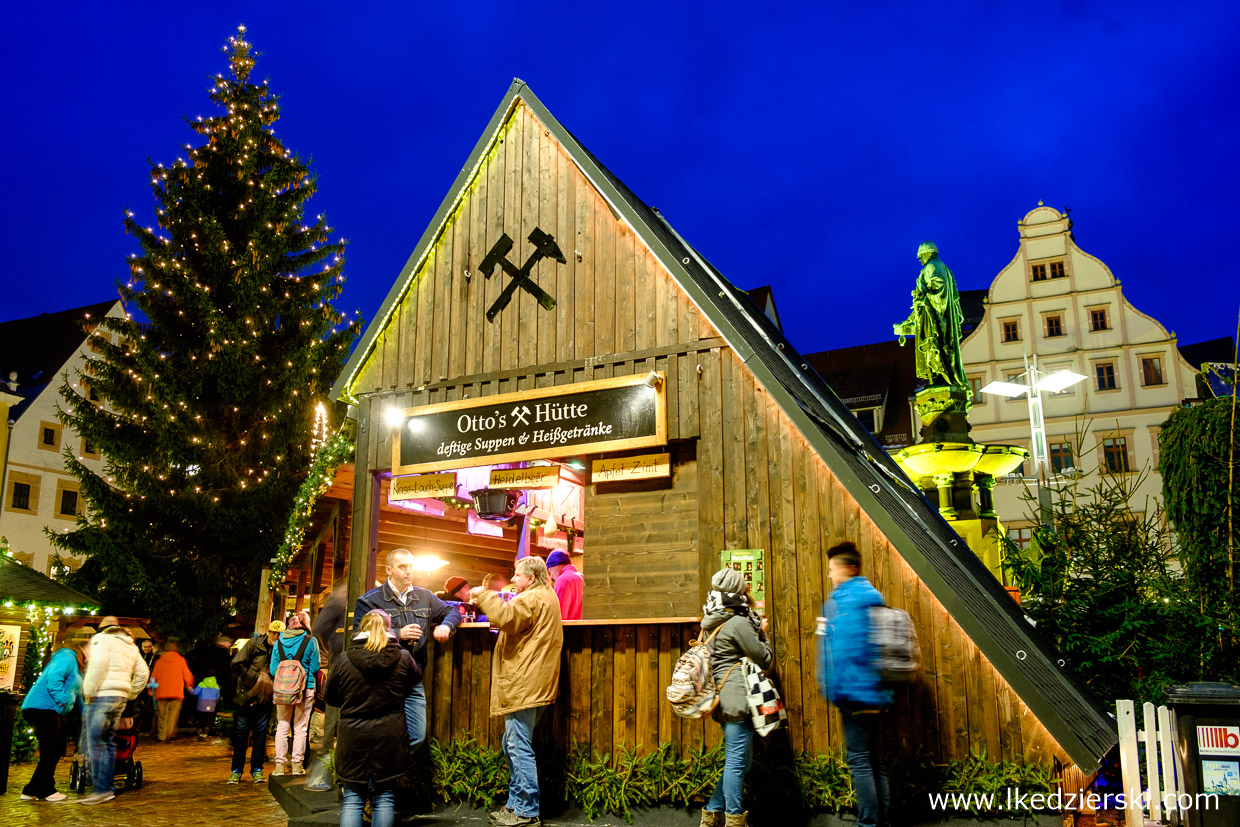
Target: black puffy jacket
370	689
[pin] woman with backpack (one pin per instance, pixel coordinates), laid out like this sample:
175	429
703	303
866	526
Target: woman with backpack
294	662
739	632
369	683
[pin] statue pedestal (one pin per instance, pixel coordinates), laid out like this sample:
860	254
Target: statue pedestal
944	412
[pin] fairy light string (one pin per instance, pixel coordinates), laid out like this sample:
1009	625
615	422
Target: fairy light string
205	411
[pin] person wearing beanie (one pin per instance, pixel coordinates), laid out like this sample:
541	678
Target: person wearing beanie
456	588
736	631
568	583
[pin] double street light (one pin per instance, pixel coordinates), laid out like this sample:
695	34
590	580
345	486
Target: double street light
1033	383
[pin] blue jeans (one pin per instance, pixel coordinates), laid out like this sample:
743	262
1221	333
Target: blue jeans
737	752
415	717
250	724
384	796
865	765
522	766
100	725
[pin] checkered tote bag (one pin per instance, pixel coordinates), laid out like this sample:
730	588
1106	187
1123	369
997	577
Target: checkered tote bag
766	708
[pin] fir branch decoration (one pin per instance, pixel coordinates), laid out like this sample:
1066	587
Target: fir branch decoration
331	454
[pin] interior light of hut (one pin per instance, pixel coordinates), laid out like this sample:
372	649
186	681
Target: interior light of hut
428	563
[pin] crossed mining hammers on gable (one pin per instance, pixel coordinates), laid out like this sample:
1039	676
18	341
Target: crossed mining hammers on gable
544	247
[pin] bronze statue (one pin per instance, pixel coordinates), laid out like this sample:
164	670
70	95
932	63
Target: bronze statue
935	321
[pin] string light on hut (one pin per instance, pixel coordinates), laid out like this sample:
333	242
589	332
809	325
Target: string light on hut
318	431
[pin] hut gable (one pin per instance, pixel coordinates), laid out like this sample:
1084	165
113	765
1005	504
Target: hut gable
772	458
454	313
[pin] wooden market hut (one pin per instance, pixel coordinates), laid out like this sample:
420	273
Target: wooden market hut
32	602
761	454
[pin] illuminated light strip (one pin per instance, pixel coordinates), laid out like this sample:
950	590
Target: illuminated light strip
347	394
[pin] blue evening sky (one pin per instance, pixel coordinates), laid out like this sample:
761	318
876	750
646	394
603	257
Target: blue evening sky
809	146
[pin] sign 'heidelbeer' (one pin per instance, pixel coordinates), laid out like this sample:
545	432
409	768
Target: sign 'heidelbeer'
607	415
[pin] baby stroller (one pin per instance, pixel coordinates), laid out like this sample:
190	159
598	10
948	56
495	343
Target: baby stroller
126	739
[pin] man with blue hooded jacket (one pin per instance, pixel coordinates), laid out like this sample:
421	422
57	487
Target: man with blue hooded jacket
849	678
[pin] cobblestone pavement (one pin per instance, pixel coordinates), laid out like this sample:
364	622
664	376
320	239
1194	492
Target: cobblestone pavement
183	784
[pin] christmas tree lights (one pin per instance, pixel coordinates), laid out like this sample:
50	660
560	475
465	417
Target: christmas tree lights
207	410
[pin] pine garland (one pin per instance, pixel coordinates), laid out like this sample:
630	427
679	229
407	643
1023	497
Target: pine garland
327	459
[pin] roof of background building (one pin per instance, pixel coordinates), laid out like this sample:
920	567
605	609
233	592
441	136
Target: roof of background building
37	348
1068	709
22	584
866	375
1211	350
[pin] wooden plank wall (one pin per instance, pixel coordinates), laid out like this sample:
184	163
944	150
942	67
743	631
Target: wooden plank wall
612	680
642	545
612	296
759	484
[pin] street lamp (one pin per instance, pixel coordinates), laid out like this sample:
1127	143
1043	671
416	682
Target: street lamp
1035	382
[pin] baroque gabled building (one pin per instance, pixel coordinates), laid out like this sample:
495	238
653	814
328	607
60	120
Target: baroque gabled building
36	353
1058	303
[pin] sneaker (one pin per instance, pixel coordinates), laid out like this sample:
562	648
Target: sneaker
257	775
297	769
29	797
507	818
235	778
97	798
54	797
279	770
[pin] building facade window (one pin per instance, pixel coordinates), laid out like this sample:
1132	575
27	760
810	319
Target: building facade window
1151	371
89	450
1060	455
1054	325
1057	271
1039	272
49	435
22	495
1098	319
1115	455
975	384
67	501
869	418
1021	536
1011	330
1104	372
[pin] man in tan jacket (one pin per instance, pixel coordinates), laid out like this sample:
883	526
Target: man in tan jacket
525	679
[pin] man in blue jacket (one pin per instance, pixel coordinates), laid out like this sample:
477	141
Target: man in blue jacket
848	678
416	615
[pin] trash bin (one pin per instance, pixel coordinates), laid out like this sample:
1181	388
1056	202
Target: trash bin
1208	740
8	714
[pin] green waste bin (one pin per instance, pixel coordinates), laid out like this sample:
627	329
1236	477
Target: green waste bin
1208	739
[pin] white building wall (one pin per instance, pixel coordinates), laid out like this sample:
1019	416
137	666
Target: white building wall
1133	410
29	460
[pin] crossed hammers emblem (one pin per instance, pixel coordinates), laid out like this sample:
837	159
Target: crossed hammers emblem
544	247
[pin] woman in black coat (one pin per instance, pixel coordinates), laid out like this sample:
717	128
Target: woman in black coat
369	683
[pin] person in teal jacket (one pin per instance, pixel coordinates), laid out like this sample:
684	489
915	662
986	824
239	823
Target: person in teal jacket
848	677
56	693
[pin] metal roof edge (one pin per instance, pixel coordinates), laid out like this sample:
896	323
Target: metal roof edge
340	388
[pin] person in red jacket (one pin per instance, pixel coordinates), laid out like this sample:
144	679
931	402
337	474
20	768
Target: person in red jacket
569	585
172	680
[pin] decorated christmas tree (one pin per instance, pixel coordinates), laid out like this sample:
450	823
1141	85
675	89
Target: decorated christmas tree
206	394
